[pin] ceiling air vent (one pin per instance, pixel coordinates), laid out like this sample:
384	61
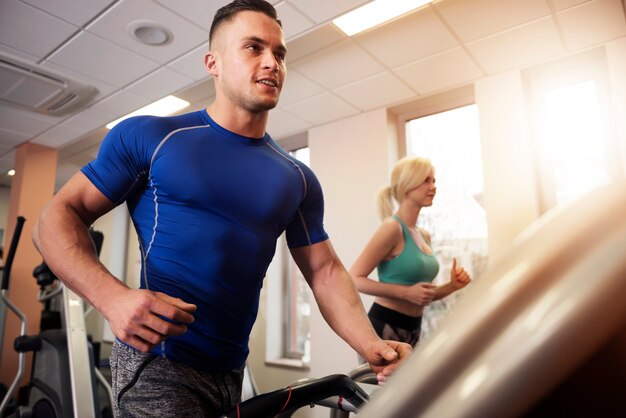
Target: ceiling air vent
40	91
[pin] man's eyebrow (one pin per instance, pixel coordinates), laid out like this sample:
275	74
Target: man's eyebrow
258	40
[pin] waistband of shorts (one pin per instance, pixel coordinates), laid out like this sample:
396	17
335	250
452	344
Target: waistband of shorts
394	318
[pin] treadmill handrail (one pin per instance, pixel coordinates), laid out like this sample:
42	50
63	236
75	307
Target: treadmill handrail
299	395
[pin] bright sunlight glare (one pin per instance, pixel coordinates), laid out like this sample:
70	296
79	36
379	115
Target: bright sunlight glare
574	140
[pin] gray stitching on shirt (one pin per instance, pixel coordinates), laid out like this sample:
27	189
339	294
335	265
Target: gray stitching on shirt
296	165
156	202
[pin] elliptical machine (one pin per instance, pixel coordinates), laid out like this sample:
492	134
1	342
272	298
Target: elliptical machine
65	379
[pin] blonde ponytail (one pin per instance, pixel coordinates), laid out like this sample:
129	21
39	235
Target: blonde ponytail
408	173
385	203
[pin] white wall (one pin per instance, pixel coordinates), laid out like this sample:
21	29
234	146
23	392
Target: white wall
350	159
510	182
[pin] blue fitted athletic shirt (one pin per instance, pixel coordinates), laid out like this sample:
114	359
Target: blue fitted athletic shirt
411	266
208	206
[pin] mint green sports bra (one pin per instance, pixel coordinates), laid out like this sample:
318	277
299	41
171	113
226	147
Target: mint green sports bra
411	266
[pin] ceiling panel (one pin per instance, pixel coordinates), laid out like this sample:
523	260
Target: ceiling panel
605	21
322	109
293	21
565	4
377	91
57	135
21	28
202	92
518	47
28	123
323	10
121	103
414	36
69	11
100	59
160	83
115	26
10	139
474	19
339	64
89	120
297	87
7	51
199	12
446	69
191	64
7	162
281	124
313	41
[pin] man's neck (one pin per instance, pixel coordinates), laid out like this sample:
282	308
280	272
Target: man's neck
238	121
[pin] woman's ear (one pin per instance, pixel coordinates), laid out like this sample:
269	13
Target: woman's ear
210	63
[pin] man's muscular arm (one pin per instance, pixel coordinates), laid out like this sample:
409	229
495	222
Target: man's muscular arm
62	237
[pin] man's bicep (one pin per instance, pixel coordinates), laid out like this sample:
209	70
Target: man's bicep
81	196
314	259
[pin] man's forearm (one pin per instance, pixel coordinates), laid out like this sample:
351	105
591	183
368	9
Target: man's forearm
343	310
63	240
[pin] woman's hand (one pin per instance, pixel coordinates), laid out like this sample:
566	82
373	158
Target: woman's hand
459	278
420	293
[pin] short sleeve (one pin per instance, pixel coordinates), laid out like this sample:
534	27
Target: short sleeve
307	227
123	160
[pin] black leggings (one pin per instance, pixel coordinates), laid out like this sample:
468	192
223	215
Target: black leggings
392	325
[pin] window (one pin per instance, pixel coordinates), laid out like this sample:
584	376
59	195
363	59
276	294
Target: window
297	341
456	221
289	297
576	151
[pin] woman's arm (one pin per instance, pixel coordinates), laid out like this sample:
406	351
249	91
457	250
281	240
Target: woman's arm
459	278
381	247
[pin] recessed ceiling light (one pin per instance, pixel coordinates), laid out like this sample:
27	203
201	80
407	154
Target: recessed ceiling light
374	13
11	172
149	33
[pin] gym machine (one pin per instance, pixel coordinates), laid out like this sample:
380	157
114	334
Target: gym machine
65	380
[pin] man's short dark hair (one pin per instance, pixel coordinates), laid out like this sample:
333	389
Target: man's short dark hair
229	11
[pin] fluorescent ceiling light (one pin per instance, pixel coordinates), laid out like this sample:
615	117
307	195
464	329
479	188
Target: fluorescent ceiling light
374	13
163	107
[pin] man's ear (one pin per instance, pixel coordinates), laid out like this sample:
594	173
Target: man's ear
210	63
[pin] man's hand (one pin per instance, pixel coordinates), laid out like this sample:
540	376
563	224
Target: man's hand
141	318
384	356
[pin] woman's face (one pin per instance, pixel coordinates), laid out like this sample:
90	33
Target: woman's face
423	194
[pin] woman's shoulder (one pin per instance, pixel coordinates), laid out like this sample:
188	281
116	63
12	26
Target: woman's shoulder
391	227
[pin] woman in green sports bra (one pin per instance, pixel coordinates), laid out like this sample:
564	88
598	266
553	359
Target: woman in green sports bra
403	256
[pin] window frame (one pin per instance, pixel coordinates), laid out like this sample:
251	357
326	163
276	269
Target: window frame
280	327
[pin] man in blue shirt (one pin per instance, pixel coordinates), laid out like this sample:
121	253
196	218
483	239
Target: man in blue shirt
209	193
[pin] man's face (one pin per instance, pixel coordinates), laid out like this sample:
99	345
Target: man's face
247	60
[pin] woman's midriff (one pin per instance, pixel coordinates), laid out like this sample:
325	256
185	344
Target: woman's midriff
404	307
